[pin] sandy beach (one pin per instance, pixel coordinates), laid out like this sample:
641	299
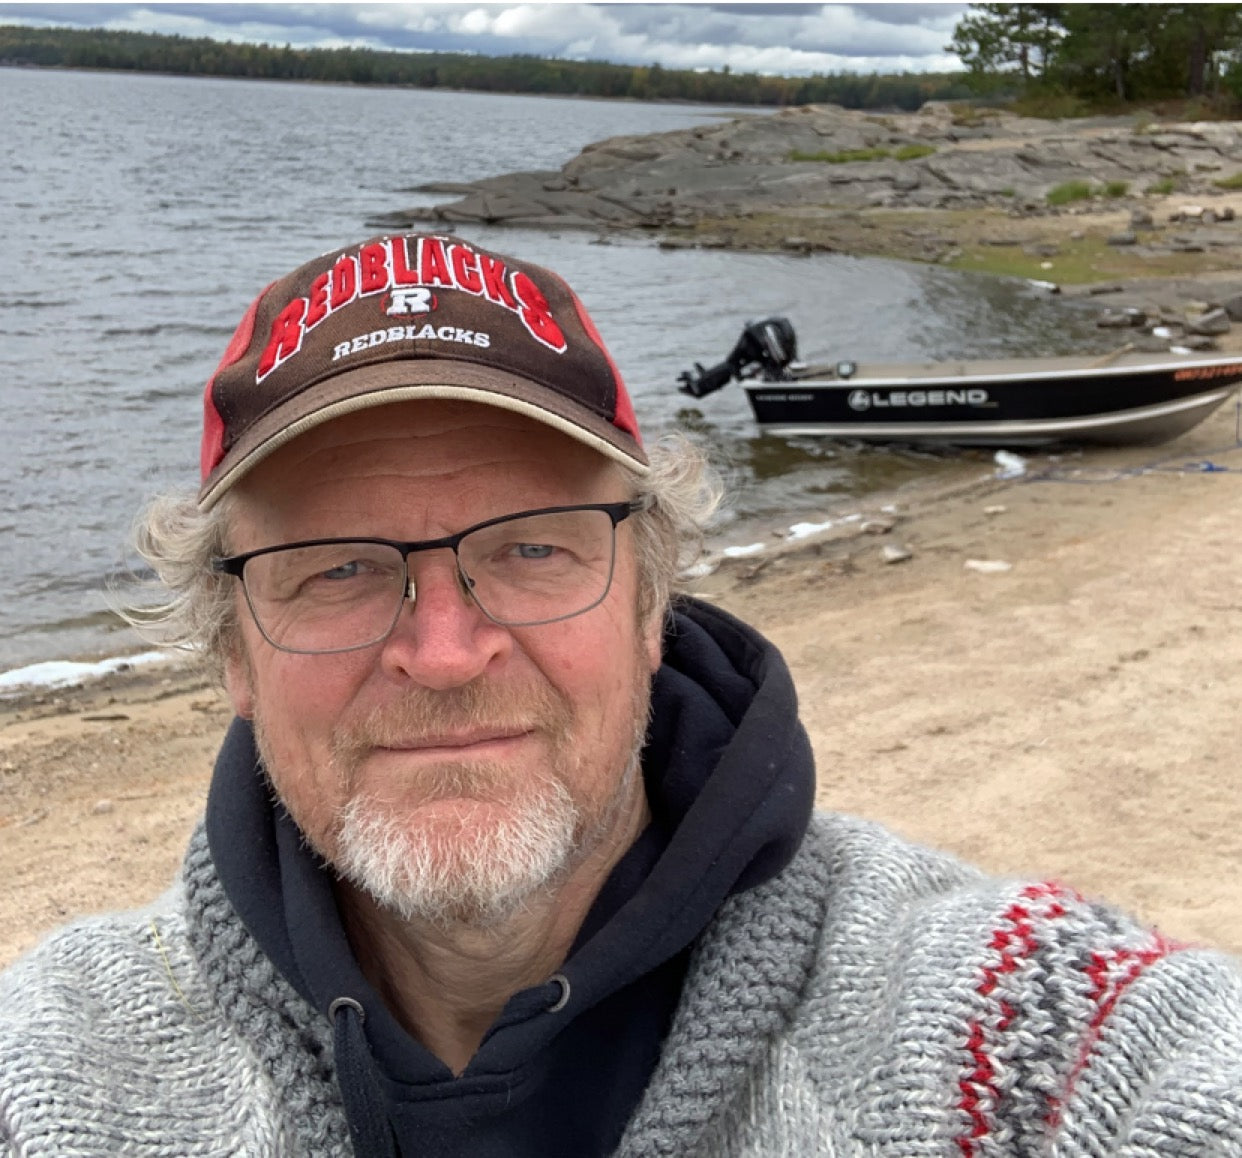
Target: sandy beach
1073	717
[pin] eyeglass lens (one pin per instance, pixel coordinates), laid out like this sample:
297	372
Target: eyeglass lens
337	596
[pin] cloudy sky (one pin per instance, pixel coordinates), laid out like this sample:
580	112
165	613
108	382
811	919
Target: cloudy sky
791	39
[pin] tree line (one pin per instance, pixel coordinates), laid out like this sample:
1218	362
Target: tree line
1103	54
149	52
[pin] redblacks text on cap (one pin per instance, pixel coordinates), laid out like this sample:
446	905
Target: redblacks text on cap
410	317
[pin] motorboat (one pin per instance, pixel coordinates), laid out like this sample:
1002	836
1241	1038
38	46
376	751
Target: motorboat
1122	397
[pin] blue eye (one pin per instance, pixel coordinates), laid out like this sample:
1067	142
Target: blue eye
344	571
534	550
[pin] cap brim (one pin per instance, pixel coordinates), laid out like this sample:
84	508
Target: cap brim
412	380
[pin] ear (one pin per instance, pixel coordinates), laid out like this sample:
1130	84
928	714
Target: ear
238	684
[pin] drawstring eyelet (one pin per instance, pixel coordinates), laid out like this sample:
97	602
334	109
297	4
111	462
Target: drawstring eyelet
340	1003
563	1000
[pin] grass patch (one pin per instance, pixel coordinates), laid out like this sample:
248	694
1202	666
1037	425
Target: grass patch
908	234
1234	182
846	156
1163	187
1090	259
843	157
1083	191
1052	106
1070	191
1076	264
966	116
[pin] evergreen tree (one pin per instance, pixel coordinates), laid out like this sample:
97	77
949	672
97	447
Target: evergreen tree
1101	52
999	35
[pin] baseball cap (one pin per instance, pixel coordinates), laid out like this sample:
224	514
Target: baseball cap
404	317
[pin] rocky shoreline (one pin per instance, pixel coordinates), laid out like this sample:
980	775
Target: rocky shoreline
1135	212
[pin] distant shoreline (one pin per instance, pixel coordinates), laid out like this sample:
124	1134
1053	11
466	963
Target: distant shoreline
725	108
47	46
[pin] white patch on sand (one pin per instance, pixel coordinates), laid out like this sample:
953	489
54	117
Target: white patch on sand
62	673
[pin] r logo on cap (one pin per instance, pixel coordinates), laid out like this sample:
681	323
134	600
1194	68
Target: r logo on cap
410	301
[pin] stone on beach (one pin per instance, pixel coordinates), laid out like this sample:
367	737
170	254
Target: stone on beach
1195	342
1211	323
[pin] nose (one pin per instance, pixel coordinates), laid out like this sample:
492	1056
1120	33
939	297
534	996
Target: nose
441	639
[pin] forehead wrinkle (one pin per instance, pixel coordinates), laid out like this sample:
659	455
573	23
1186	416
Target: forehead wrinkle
411	453
440	466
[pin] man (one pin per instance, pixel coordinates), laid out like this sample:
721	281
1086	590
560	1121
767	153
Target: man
506	853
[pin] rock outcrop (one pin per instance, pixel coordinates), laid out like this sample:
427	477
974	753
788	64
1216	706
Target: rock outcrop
824	158
945	184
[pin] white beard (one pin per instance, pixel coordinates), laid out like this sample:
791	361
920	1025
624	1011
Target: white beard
449	874
476	877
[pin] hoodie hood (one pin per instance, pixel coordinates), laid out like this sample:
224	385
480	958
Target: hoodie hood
730	781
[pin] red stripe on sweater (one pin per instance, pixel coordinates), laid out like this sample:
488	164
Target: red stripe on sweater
1111	974
1014	940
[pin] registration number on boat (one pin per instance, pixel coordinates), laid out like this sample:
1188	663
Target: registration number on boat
1197	373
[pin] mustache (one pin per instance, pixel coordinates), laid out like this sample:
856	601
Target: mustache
477	705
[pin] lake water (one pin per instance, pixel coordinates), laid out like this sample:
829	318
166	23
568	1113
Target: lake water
141	214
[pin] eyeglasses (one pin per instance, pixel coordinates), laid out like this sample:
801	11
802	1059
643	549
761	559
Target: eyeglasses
330	595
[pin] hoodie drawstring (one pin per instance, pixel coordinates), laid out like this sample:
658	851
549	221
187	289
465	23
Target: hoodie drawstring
365	1108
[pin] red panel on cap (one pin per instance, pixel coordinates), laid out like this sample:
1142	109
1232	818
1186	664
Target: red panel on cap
213	425
623	417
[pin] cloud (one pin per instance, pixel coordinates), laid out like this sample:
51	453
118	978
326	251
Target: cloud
794	39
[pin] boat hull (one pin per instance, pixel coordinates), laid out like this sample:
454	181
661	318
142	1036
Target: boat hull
1126	405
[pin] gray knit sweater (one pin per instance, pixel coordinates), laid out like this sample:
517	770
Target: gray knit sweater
873	999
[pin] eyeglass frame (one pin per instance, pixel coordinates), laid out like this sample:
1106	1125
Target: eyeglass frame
617	512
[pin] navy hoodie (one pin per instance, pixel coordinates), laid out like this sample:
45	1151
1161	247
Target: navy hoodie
730	782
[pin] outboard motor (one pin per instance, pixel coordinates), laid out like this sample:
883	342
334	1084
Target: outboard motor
765	349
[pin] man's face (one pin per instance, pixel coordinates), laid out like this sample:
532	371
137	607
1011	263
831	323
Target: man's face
458	766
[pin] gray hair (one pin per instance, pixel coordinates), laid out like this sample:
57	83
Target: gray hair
184	603
188	605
